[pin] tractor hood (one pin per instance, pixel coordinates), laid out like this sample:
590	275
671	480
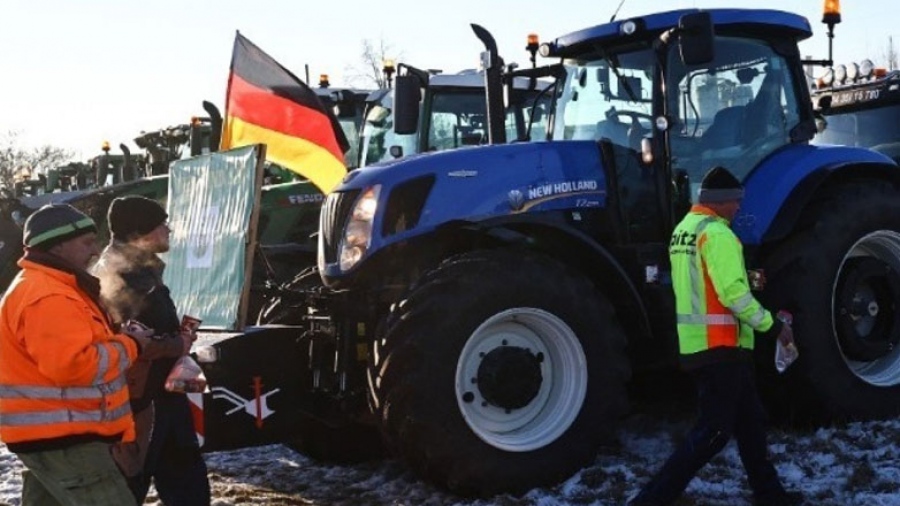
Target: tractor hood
478	182
418	194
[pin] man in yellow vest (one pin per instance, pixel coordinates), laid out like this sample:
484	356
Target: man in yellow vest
63	393
717	317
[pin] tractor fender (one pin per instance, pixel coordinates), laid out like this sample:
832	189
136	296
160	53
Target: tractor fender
578	250
780	188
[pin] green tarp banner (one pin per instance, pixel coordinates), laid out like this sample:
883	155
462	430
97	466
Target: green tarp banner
210	206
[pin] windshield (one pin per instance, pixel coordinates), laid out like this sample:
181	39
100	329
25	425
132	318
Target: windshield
873	128
607	96
378	134
351	131
732	112
458	117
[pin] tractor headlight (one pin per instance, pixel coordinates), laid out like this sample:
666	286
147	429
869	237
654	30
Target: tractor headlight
358	232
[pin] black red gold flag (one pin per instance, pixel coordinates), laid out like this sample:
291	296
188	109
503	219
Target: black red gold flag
267	104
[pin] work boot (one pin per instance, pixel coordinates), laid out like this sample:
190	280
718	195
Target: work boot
781	499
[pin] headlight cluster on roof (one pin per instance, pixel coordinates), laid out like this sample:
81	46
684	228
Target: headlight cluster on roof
847	74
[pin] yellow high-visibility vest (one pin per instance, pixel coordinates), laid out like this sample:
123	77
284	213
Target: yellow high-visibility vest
713	304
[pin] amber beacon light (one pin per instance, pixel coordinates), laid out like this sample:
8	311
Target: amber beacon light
831	13
532	47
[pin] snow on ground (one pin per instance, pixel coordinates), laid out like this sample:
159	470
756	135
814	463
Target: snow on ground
846	465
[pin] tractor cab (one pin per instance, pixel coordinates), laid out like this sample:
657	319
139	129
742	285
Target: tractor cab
431	111
670	103
348	106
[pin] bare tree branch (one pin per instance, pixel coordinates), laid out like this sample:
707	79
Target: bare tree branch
17	160
369	72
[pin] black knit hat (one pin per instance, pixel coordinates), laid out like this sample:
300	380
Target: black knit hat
53	224
719	185
134	215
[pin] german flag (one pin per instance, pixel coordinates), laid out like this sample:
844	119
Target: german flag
267	104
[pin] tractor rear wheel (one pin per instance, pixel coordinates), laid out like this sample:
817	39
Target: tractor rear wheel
841	280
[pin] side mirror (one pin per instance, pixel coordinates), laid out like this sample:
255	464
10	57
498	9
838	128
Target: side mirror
695	40
407	95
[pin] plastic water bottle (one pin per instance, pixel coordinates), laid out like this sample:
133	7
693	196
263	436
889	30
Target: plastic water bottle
785	355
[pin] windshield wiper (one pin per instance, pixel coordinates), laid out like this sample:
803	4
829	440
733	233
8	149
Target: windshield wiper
615	68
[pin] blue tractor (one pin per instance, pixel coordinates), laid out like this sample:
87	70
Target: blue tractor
486	307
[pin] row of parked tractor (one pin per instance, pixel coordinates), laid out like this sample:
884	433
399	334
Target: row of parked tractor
480	309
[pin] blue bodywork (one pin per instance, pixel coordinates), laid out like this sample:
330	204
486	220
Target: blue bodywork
784	22
770	184
482	183
475	184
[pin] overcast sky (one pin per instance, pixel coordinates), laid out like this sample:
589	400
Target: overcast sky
76	73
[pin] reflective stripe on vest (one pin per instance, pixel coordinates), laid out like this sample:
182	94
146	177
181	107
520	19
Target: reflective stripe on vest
96	391
696	273
64	393
64	416
706	319
742	303
698	316
103	362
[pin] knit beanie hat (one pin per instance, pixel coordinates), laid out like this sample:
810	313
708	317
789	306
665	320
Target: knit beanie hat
53	224
719	185
134	215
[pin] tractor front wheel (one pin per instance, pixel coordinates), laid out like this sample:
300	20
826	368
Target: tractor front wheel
500	371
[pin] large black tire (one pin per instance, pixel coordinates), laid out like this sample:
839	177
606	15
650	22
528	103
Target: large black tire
840	277
329	437
500	371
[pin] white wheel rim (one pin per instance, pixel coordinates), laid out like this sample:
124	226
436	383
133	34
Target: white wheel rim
885	246
560	396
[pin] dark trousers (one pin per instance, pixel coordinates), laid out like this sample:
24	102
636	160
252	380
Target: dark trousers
174	461
729	406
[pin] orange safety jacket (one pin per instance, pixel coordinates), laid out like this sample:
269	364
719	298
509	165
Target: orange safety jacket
62	368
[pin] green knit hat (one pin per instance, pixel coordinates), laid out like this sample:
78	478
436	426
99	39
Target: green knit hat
53	224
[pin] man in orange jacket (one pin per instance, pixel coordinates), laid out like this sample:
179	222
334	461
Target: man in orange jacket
63	393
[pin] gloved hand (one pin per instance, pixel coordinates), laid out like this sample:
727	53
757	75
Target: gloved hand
139	332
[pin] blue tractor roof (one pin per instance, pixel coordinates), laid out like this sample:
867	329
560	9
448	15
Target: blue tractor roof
651	25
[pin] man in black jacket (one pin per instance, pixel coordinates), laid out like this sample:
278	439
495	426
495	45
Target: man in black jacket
133	289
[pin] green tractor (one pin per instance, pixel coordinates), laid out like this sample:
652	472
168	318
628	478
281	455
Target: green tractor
289	208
